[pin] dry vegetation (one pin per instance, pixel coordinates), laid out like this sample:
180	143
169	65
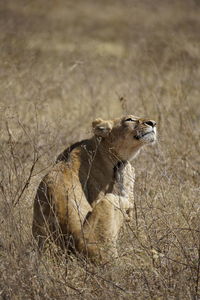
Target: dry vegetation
63	63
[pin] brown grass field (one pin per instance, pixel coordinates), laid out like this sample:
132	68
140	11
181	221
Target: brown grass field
64	63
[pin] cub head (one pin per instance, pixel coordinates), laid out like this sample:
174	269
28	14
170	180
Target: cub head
125	136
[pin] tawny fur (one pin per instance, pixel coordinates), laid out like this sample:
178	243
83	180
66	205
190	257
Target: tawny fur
84	200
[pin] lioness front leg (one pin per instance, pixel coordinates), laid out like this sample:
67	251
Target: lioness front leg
101	227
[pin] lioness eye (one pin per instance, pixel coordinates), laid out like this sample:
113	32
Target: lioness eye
129	119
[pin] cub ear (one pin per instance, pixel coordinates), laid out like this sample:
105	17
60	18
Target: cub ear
102	128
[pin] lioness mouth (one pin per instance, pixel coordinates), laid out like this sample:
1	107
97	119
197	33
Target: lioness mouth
137	137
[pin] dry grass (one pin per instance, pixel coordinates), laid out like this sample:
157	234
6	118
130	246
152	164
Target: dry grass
63	63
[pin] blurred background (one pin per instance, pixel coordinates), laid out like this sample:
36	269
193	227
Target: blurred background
65	63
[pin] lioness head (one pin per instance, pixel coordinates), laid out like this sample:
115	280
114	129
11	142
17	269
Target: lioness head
125	136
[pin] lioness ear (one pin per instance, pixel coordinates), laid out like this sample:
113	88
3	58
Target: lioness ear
102	128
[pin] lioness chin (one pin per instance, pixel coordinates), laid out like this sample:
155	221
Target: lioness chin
88	194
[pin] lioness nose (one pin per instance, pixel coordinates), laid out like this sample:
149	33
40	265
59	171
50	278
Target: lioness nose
150	123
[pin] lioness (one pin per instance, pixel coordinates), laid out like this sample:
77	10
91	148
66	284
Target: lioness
84	200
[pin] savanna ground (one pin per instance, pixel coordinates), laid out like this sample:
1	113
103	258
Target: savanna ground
64	63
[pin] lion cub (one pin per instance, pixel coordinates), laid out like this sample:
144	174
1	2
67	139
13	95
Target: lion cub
84	200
